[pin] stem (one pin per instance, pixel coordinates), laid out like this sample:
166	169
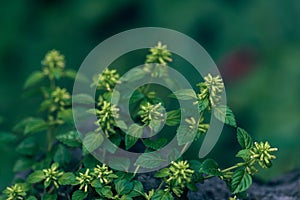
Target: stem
160	185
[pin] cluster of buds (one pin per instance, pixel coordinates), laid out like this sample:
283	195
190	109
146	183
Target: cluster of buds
61	98
104	174
159	54
84	180
53	64
106	80
150	112
211	89
261	152
107	113
15	192
52	175
200	125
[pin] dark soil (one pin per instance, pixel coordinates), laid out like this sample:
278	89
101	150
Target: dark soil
286	187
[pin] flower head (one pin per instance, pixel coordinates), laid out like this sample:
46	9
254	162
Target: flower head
15	192
159	54
104	174
262	153
84	179
54	59
106	80
52	175
150	112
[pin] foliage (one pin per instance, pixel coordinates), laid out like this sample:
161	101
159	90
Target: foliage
57	170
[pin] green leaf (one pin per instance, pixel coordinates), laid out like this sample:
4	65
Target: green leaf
121	163
92	141
241	181
35	125
22	164
121	124
244	154
162	173
195	165
70	139
66	115
31	198
149	160
28	147
173	117
123	186
203	104
210	167
83	99
155	144
185	135
136	132
136	96
49	197
36	177
244	139
79	195
69	73
225	115
105	191
133	75
96	183
138	189
62	155
33	79
67	179
162	195
6	137
185	94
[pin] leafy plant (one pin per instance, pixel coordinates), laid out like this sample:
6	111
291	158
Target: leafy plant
63	168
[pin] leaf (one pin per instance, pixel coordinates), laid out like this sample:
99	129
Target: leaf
28	147
138	189
31	198
70	139
105	191
120	163
49	197
185	94
123	186
210	167
203	104
244	154
195	165
162	173
162	195
62	155
67	179
33	79
136	132
121	124
224	114
149	160
96	183
22	164
133	75
241	181
184	135
83	99
173	117
6	137
36	177
66	115
244	139
79	195
136	96
92	141
34	125
155	144
69	73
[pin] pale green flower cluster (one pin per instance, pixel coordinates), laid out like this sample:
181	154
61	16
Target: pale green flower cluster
150	112
106	80
52	175
159	54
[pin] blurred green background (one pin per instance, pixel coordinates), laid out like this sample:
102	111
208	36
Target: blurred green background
256	45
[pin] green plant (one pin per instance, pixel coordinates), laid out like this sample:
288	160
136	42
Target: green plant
57	170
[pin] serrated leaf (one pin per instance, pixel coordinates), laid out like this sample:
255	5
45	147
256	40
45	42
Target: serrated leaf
36	177
92	141
162	173
83	99
133	75
33	79
66	115
120	163
28	147
79	195
224	114
185	135
105	191
49	197
62	155
162	195
244	154
67	179
69	73
22	164
136	132
149	160
210	167
185	94
138	189
173	117
6	137
155	144
244	139
34	125
96	183
123	186
241	181
70	139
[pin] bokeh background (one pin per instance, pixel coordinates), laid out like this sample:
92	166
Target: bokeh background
256	45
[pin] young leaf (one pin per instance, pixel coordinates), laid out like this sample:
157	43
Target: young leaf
137	190
70	139
79	195
210	167
28	147
155	144
162	173
105	191
33	79
66	115
185	135
244	154
7	137
225	115
244	139
22	164
36	177
136	132
241	181
67	179
92	141
123	186
149	160
35	125
185	94
62	155
173	117
83	99
162	195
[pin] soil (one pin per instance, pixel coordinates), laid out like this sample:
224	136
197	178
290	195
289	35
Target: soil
286	187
